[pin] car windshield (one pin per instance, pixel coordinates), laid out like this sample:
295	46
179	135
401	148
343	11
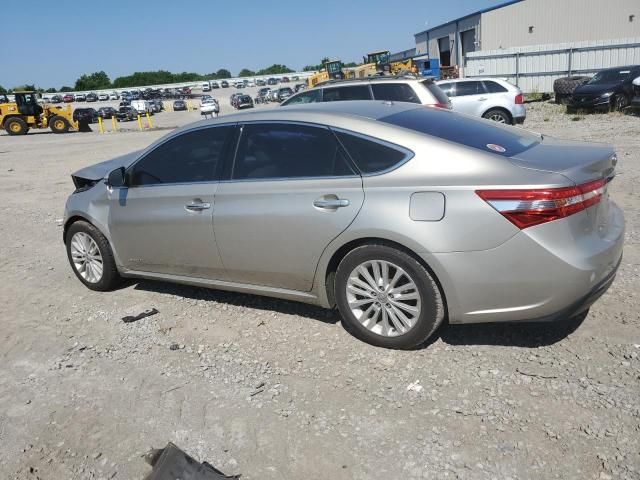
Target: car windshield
465	130
610	76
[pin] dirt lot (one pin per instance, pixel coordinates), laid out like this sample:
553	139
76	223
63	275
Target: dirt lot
278	390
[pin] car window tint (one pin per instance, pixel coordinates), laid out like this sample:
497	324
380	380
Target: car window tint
494	87
436	91
395	92
311	96
371	156
287	151
468	88
465	130
189	157
357	92
447	88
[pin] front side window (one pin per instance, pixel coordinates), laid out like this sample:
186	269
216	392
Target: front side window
337	94
273	150
371	156
468	88
189	157
310	96
394	92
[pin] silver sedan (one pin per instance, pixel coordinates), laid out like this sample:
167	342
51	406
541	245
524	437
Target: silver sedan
402	216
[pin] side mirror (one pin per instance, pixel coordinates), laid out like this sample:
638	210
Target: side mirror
116	178
636	82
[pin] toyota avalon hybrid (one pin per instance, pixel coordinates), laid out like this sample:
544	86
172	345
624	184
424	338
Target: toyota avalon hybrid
401	216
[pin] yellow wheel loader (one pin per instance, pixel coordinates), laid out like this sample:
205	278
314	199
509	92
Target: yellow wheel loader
25	113
332	70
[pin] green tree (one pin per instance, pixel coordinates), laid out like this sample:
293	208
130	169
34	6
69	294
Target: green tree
3	90
50	90
245	72
95	81
274	69
66	89
223	73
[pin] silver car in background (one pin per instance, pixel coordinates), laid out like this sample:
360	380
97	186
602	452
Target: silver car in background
491	98
400	215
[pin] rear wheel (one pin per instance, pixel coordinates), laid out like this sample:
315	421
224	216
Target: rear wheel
59	124
620	102
16	126
499	116
387	298
91	257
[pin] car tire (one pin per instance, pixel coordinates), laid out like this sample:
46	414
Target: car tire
91	258
566	85
619	102
499	116
16	126
420	314
59	124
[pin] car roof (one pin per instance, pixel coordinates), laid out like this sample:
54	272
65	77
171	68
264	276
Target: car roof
372	79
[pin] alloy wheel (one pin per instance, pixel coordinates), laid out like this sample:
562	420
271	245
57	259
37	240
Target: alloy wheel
87	258
383	298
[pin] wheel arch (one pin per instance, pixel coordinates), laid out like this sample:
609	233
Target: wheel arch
342	251
502	109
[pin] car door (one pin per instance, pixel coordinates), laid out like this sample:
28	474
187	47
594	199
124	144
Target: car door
291	190
469	97
162	220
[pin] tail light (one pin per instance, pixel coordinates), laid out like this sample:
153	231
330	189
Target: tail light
446	106
526	208
519	99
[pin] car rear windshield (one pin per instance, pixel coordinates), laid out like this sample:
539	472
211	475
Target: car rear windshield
436	91
464	130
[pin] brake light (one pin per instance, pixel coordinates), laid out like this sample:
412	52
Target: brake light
526	208
519	99
446	106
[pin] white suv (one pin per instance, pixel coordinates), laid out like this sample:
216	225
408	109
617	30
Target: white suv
490	98
396	89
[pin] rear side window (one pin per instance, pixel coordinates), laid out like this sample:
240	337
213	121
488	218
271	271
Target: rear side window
311	96
357	92
494	87
371	156
436	91
275	150
465	130
447	88
468	88
394	92
189	157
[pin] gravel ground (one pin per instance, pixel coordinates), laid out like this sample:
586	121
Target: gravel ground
278	390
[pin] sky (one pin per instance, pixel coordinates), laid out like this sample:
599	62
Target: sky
59	41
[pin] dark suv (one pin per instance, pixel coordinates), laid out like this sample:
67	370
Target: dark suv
609	89
88	115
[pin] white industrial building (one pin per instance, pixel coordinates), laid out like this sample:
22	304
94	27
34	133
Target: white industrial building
520	23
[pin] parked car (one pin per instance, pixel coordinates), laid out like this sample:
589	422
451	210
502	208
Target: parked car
610	89
215	85
260	82
56	99
126	113
635	101
68	98
285	80
244	101
300	86
88	115
395	89
179	105
490	98
357	216
283	94
155	105
103	96
206	87
92	97
272	81
262	95
224	84
80	97
239	85
113	96
210	107
142	106
107	112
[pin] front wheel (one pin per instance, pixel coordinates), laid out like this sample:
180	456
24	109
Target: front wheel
59	124
387	298
620	102
91	257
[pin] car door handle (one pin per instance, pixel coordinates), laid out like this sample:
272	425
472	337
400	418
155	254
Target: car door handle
482	99
196	207
331	203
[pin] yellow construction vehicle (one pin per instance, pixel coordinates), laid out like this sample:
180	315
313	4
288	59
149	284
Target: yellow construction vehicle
19	116
331	70
408	67
375	63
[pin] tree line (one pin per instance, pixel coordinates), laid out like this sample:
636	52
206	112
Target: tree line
101	81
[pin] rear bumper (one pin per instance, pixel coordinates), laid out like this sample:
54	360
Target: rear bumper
547	272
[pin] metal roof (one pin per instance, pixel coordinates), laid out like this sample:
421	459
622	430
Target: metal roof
479	12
